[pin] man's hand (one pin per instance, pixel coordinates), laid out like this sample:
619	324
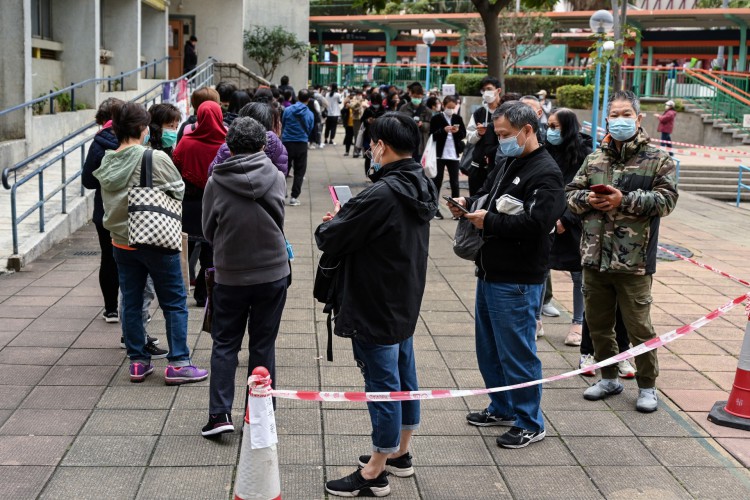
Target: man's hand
328	216
606	202
481	129
477	218
448	129
455	211
559	227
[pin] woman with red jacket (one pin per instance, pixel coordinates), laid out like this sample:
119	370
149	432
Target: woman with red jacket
666	125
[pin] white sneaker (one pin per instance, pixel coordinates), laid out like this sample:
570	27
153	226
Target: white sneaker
625	369
586	361
294	202
539	329
550	310
321	146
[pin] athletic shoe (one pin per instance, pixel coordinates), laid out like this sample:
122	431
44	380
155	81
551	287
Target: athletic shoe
321	146
355	155
486	419
539	329
294	202
603	389
574	335
354	484
176	375
155	352
332	143
625	369
139	371
399	467
519	438
149	340
647	401
218	424
439	216
346	154
549	310
111	317
586	361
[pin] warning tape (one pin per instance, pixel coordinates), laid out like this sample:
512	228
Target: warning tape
705	266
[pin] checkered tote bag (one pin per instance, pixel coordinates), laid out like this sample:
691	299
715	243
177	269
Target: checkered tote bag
154	218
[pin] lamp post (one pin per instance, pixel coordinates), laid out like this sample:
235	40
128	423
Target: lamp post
601	22
608	46
428	37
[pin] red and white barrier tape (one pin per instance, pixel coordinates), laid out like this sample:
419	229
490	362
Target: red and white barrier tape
706	266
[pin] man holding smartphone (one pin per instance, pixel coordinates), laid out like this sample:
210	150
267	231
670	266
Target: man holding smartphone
480	132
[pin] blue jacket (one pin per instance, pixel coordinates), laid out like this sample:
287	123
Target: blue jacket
297	123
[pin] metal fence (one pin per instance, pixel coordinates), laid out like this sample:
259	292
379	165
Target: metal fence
741	185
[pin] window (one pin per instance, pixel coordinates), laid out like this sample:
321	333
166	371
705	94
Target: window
41	24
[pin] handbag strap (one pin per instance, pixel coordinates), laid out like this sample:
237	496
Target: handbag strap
265	206
147	178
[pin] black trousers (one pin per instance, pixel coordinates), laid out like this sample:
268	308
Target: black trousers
109	280
206	259
257	308
348	137
298	164
330	130
477	176
621	335
452	166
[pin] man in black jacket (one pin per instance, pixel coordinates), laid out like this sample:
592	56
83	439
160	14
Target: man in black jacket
190	58
525	198
382	238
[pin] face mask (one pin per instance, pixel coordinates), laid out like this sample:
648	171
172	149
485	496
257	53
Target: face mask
168	138
375	105
488	96
554	137
449	112
510	147
622	129
416	101
375	164
147	138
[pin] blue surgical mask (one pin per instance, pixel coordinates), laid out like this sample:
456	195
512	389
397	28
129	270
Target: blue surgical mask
622	129
374	164
554	137
147	138
510	147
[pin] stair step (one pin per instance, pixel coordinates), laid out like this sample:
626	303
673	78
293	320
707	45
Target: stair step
718	170
708	181
722	196
714	188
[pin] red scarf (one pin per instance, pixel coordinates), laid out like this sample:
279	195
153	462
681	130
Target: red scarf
196	150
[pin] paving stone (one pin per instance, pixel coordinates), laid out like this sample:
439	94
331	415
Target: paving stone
44	339
450	450
699	420
296	341
695	400
301	450
302	482
299	421
658	423
460	360
11	311
294	377
45	422
167	483
55	325
590	423
12	395
739	448
196	450
30	355
714	363
454	343
713	483
93	451
549	451
468	379
63	397
143	398
23	481
93	483
79	375
541	483
344	450
461	483
568	399
401	488
650	482
14	325
439	422
346	422
298	357
133	422
95	357
190	422
679	379
599	451
687	452
33	450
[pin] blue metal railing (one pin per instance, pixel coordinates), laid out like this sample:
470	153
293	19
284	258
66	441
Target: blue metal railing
740	184
200	76
71	89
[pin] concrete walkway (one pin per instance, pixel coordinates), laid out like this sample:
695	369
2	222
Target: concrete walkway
73	426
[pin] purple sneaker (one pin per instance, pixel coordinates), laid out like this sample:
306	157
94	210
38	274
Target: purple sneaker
176	375
139	371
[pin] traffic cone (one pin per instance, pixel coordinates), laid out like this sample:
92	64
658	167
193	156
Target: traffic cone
736	412
258	471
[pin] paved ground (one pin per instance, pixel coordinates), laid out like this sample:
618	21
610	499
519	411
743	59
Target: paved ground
72	426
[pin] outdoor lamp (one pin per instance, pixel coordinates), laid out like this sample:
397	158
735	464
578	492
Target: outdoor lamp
601	22
428	37
608	45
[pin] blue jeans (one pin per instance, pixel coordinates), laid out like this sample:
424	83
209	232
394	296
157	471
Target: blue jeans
577	277
148	296
506	349
134	267
388	368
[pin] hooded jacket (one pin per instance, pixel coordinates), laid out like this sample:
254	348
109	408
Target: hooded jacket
296	123
103	141
243	217
382	237
119	171
275	151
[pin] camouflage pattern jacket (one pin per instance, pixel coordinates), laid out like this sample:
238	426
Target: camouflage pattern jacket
624	240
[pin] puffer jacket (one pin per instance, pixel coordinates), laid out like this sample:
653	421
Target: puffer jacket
103	141
624	240
275	151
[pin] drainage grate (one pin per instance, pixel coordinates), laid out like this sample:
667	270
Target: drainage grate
680	250
86	253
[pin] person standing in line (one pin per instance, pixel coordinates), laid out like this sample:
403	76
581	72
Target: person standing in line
190	57
479	132
620	238
666	125
333	98
371	113
358	104
245	193
624	368
546	106
418	112
671	78
347	119
197	98
382	237
165	118
448	133
297	125
285	87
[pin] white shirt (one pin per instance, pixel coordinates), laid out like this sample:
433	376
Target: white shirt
449	150
334	104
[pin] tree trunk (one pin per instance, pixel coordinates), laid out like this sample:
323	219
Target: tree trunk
488	12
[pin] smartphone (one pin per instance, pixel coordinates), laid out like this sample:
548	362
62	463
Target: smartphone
601	189
340	194
455	204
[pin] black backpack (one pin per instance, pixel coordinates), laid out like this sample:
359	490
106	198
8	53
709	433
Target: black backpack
324	291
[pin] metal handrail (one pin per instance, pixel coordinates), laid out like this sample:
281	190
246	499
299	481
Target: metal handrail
72	87
740	185
197	77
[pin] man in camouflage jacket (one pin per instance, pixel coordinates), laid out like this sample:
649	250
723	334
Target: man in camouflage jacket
619	242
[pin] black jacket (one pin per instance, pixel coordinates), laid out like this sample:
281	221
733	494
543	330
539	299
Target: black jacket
439	135
566	249
103	141
190	58
485	149
516	248
382	235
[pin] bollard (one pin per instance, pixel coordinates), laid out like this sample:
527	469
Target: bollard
736	411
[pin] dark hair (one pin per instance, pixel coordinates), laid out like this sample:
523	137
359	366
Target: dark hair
225	90
449	98
510	96
129	120
246	136
104	113
625	95
259	111
489	80
238	100
285	80
416	88
193	38
334	89
572	147
303	95
160	114
518	115
392	95
263	94
375	95
288	95
431	102
397	130
275	92
202	95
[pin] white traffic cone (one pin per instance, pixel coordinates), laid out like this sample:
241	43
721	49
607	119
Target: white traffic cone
258	471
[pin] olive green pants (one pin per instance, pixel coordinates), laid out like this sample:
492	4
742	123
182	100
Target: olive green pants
603	293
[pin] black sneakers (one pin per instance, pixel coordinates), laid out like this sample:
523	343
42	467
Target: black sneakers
399	467
519	438
486	419
110	316
218	424
155	352
354	484
149	340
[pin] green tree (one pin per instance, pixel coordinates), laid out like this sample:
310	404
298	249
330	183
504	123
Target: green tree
715	4
269	47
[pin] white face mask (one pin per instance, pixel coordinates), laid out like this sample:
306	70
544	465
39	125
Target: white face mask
488	96
449	111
